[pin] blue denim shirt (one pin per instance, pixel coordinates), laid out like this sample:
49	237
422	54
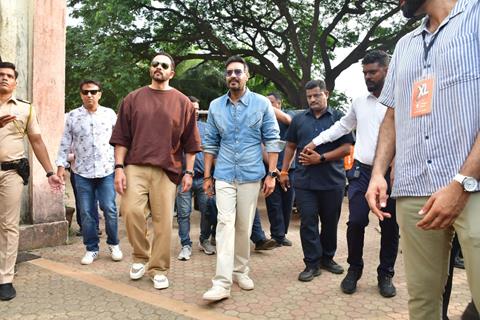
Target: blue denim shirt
234	134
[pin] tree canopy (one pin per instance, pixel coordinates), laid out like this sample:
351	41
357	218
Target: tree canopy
286	42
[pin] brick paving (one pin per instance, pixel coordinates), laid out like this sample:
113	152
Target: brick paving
47	294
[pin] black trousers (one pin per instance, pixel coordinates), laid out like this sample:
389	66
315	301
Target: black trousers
358	220
314	205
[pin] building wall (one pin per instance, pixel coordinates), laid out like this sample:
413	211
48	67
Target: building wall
32	35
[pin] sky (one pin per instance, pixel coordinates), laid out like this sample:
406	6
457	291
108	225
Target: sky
350	81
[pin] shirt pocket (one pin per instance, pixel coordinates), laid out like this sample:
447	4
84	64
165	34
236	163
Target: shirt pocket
255	121
459	60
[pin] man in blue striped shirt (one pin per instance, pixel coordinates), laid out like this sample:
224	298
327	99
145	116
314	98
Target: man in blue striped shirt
432	128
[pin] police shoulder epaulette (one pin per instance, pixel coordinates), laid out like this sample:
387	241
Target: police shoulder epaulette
24	101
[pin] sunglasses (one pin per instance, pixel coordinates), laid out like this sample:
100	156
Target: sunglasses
92	92
164	65
238	72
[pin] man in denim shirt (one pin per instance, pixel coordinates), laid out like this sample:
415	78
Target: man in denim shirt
238	123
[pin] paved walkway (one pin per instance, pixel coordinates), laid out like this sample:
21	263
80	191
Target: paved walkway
56	286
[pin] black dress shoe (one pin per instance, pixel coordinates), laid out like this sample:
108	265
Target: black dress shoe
7	292
459	263
331	266
471	312
308	274
349	283
386	287
265	244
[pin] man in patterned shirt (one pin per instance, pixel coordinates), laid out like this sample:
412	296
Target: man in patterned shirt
87	132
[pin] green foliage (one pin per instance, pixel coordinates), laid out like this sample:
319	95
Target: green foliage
285	41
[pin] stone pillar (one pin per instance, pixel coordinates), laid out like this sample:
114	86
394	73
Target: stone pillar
32	35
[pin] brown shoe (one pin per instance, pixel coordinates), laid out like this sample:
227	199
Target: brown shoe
265	244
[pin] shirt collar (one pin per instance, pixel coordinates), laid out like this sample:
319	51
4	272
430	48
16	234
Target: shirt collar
12	99
85	110
329	110
245	99
457	9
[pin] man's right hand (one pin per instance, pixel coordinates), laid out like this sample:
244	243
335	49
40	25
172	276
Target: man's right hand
120	181
310	146
377	196
4	120
284	182
208	187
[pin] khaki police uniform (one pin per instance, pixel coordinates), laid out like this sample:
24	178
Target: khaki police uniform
11	184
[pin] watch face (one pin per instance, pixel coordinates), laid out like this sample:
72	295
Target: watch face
273	174
470	184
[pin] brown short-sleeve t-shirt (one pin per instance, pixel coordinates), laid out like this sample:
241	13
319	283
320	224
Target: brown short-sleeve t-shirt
12	135
157	126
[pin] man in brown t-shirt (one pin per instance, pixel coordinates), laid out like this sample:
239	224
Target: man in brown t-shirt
17	120
156	124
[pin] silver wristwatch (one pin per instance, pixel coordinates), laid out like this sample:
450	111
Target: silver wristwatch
469	183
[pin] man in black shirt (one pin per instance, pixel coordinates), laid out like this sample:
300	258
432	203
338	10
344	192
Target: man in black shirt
319	180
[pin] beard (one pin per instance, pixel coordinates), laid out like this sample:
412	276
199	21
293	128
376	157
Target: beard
410	7
374	86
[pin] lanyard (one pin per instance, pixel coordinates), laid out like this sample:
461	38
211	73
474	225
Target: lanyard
427	48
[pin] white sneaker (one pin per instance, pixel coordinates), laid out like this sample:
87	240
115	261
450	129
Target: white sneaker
137	270
244	281
89	257
206	247
115	252
160	282
185	253
216	293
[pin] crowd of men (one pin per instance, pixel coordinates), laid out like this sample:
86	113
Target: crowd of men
417	162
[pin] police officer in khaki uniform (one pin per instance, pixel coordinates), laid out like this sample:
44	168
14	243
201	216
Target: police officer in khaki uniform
17	120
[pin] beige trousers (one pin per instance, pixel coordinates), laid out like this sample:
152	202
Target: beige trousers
236	205
149	190
426	255
11	186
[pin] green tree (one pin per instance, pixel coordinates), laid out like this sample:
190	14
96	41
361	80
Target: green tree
287	42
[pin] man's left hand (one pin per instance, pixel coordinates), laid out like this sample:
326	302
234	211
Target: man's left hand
55	183
443	207
309	157
268	186
186	182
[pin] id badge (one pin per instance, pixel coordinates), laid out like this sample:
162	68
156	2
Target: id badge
422	95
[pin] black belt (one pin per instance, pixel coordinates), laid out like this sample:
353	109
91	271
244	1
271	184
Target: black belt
11	165
362	165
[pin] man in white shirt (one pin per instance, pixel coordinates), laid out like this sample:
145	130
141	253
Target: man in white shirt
87	133
365	115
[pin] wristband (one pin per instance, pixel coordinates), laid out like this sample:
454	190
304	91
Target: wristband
49	174
283	173
191	173
207	178
119	166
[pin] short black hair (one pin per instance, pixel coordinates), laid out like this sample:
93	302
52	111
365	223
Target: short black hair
193	99
9	65
237	58
163	53
89	81
376	56
276	95
315	83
